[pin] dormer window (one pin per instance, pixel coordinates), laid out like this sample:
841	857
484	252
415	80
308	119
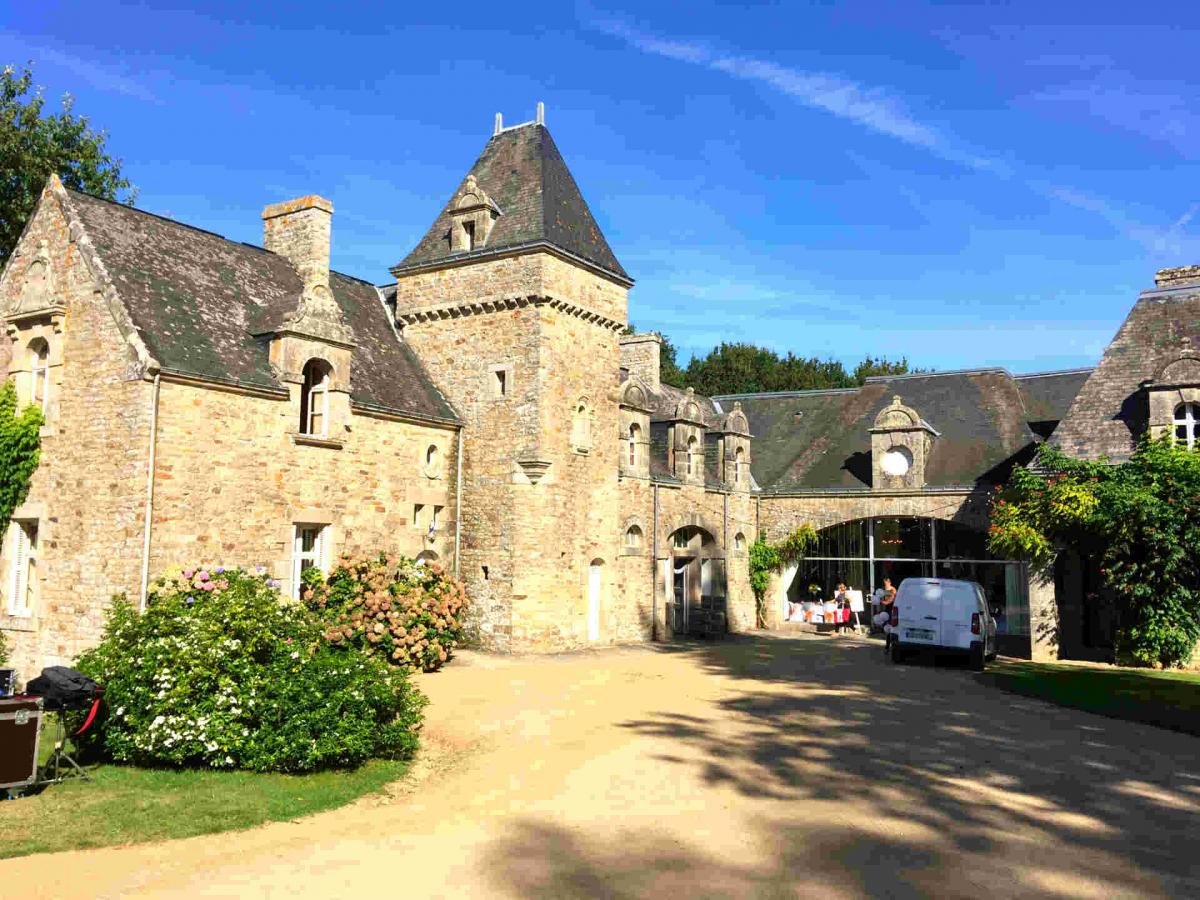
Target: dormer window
314	399
472	216
739	460
1187	425
635	434
691	457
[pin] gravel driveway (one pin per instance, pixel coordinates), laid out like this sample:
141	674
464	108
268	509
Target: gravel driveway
764	766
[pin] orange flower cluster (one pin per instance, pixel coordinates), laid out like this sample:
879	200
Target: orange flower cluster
409	614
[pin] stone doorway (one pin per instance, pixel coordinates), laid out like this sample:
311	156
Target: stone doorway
698	588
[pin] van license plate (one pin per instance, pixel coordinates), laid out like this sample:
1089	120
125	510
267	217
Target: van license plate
921	634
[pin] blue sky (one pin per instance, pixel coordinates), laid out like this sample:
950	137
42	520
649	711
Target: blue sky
961	184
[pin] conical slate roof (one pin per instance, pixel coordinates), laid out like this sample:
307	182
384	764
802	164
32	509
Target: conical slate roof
523	173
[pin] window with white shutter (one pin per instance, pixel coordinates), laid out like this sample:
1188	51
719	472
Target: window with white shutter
309	551
23	577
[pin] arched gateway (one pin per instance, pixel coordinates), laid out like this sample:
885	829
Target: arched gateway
697	583
863	552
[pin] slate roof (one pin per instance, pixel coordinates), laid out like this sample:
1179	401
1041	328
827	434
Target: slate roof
820	440
523	173
1048	396
198	299
1111	410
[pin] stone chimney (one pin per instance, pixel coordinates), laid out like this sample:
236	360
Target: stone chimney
299	229
640	355
1182	276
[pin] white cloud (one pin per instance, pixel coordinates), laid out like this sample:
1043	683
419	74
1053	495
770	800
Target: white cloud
100	77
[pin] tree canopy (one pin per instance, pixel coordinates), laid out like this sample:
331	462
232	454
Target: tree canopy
742	368
35	143
1139	520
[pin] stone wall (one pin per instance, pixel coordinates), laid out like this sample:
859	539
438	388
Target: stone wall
721	514
780	515
232	481
88	492
516	343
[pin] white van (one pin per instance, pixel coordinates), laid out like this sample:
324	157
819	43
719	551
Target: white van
943	615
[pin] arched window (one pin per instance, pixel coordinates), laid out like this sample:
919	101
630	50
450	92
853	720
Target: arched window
635	435
633	537
739	460
433	461
1187	424
739	542
691	456
314	399
581	427
39	365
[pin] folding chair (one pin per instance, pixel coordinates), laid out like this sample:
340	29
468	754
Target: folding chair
59	755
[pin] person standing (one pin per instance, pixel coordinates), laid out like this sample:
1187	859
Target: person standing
884	618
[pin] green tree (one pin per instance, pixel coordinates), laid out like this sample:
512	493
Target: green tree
668	365
1139	520
742	368
20	447
871	366
34	144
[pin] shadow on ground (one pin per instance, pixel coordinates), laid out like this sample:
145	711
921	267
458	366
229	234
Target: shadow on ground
951	788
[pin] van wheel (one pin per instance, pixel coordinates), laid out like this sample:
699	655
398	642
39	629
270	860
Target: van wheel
897	655
977	661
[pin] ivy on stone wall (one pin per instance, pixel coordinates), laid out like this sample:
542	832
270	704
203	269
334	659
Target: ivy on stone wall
20	447
1139	520
766	558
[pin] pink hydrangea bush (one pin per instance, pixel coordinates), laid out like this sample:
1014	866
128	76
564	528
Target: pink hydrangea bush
411	615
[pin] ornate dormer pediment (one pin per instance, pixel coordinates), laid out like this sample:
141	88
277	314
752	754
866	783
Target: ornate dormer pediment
736	422
688	408
38	296
1182	371
317	315
635	395
472	216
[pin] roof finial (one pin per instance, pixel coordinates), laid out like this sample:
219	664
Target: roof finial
499	124
541	113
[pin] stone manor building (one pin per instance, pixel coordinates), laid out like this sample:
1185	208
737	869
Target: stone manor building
209	402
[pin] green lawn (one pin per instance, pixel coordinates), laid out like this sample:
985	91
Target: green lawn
1167	699
125	804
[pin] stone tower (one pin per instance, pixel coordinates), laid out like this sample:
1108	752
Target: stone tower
516	303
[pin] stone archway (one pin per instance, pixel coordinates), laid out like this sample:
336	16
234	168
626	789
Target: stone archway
697	586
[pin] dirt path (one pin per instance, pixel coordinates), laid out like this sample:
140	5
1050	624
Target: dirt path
764	767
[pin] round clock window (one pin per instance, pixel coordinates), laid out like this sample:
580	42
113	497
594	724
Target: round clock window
896	462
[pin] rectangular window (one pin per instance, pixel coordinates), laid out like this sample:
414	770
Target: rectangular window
418	510
469	232
501	384
309	551
23	576
436	520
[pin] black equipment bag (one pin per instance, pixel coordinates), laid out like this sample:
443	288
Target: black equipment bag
63	688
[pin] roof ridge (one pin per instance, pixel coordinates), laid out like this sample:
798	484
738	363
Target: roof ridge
190	227
978	370
1050	372
756	395
162	218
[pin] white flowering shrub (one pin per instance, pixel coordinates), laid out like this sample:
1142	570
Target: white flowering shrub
220	671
